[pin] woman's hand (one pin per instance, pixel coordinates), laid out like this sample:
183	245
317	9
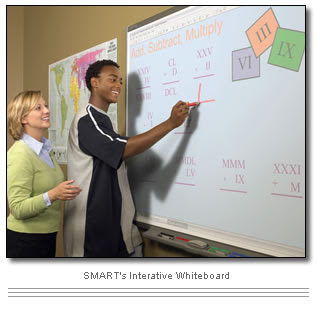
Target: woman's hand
64	191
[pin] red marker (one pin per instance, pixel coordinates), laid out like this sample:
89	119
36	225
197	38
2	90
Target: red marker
193	104
183	239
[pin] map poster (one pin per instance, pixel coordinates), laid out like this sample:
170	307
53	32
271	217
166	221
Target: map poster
68	92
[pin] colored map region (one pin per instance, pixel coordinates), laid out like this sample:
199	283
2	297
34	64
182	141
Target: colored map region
59	72
68	92
78	73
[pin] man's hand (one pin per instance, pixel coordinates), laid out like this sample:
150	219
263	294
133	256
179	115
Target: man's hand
179	113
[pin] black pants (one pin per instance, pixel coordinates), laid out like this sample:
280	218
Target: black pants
24	245
99	253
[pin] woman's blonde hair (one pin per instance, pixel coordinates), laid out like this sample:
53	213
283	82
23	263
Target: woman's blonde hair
19	107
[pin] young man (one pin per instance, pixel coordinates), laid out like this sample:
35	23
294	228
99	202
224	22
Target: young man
95	152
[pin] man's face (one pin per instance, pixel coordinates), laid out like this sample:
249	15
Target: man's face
108	84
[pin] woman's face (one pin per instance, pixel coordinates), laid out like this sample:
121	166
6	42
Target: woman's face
38	118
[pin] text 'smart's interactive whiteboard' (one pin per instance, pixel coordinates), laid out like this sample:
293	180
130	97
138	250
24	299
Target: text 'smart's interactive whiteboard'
234	172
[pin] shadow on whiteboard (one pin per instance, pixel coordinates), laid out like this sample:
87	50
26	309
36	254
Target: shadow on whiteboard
148	172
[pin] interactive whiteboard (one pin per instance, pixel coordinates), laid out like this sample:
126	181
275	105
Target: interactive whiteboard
234	172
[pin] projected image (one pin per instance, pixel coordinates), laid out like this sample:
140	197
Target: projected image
234	172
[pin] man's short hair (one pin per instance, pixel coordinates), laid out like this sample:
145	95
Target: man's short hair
95	68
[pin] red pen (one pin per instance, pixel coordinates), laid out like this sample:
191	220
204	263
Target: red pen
193	104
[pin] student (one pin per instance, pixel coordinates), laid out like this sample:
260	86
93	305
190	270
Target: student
95	152
34	180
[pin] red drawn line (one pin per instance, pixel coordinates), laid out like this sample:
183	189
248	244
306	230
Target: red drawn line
232	190
143	87
211	100
203	101
203	76
284	195
185	184
170	82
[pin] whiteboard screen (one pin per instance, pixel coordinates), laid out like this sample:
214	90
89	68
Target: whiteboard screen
235	170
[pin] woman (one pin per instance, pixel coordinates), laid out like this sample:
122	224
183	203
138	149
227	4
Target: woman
34	180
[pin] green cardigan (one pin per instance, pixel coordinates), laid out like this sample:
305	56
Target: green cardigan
28	178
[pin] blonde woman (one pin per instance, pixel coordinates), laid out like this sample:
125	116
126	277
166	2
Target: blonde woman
35	181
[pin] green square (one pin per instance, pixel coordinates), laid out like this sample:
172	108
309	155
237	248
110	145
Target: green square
287	49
